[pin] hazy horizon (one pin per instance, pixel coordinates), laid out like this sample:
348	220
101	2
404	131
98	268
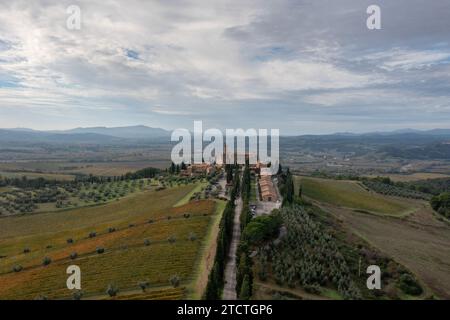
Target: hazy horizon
281	133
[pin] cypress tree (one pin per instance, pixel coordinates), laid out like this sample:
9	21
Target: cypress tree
289	188
245	292
213	286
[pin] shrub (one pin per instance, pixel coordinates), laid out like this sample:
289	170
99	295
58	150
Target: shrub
192	236
130	225
262	228
175	281
46	261
441	204
17	268
73	255
172	239
111	230
245	292
77	295
100	250
92	234
112	290
69	241
409	285
146	242
26	250
278	296
314	289
150	221
143	285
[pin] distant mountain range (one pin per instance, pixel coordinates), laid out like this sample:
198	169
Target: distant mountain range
407	143
132	132
94	135
432	132
142	134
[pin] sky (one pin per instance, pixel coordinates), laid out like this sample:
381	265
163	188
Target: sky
304	66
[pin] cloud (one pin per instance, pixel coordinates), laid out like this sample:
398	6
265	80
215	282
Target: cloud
258	59
380	100
168	111
404	59
300	75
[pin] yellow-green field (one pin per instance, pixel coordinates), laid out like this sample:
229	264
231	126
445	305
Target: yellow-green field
127	260
413	176
350	194
187	197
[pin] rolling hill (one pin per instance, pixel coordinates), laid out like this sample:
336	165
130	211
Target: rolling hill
95	135
131	132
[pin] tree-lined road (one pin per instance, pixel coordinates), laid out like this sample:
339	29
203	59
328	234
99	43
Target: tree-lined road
229	290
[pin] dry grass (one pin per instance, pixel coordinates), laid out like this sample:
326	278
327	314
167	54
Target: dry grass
419	242
63	168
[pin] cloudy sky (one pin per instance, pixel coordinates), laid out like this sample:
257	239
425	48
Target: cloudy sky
304	66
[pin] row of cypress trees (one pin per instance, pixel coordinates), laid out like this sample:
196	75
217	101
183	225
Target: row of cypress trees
246	215
216	277
244	272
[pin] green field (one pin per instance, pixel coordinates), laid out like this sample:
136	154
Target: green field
186	198
350	194
14	200
413	176
127	259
